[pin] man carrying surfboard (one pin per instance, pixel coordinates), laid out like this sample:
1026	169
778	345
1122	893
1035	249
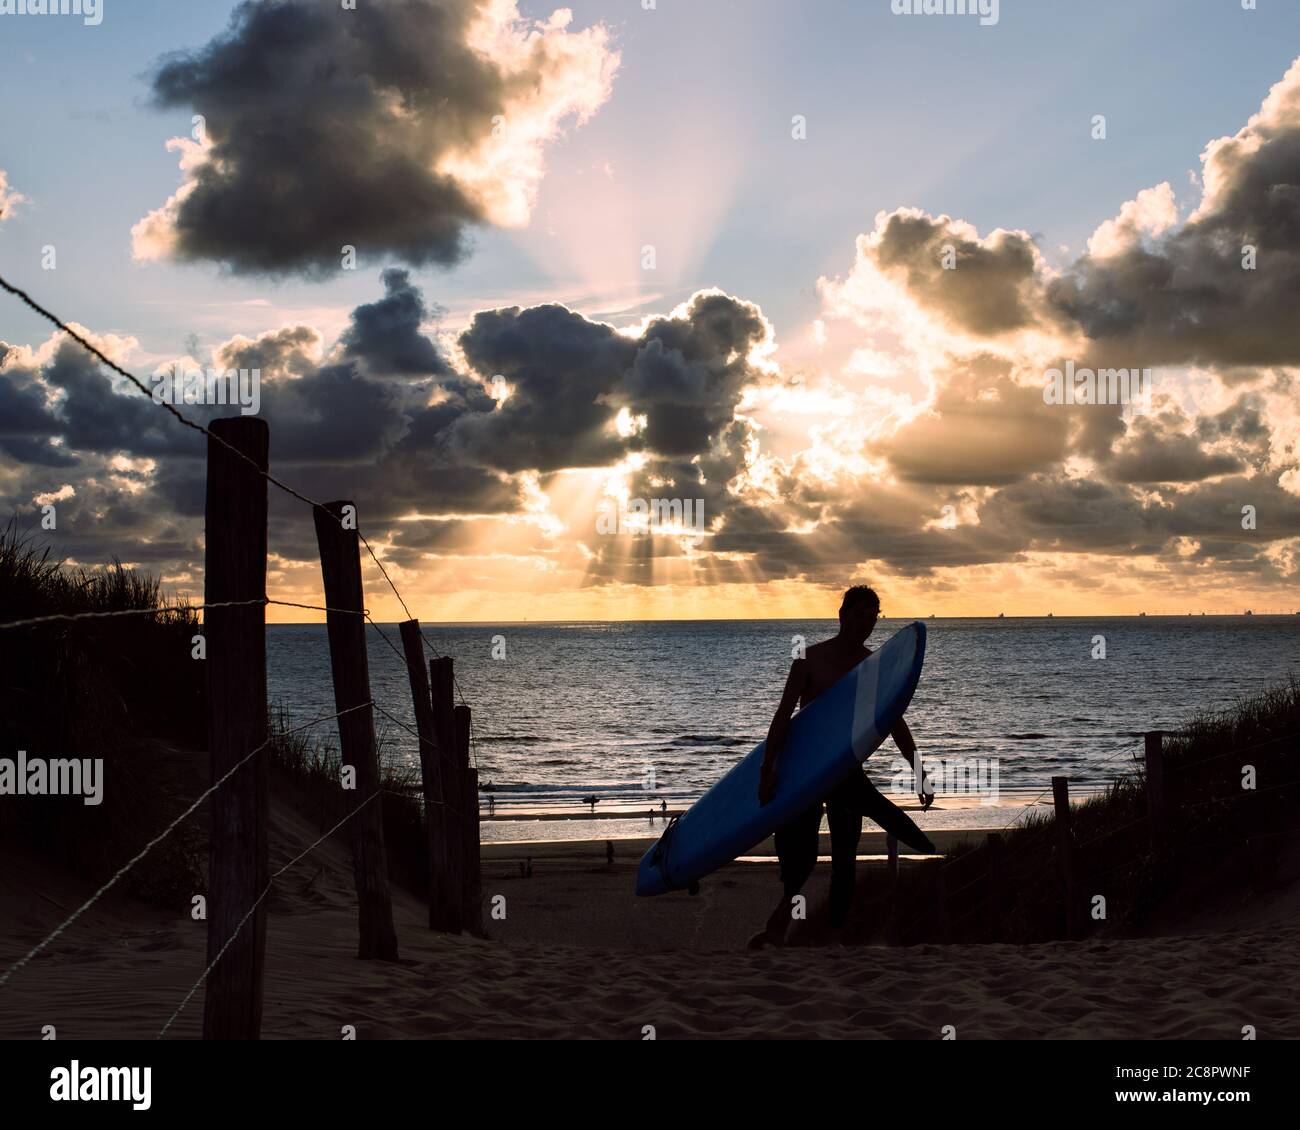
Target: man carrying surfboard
823	666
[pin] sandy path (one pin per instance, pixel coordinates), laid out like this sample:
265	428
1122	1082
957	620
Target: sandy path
578	956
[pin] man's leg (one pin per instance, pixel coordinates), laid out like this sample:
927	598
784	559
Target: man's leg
846	831
859	793
796	851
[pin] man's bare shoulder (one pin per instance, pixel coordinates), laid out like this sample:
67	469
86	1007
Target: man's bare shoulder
819	650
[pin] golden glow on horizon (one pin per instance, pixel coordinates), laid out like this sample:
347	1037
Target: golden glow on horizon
489	590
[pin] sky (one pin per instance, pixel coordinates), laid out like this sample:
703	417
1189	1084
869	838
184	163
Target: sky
804	267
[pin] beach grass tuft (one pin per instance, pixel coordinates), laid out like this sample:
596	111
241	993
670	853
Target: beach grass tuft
1232	786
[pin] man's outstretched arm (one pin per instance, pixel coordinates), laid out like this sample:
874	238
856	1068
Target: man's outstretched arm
903	739
907	747
776	732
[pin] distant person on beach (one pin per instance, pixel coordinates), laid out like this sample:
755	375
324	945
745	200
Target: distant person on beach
855	797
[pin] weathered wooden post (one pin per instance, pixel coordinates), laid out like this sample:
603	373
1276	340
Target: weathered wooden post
471	915
1157	799
235	643
442	686
993	889
430	774
1065	853
340	560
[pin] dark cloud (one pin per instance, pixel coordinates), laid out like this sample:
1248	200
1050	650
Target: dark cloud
95	418
1187	297
1243	424
1154	452
328	127
688	374
26	422
570	378
989	286
335	415
562	369
385	335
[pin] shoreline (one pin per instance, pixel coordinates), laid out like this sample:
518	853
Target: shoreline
872	845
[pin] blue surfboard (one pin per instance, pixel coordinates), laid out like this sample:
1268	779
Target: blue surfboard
825	743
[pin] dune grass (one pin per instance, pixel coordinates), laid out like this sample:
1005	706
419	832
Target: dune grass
123	689
305	771
126	689
1224	841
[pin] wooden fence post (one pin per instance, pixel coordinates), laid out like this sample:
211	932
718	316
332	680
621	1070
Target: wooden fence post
1065	853
430	775
340	560
442	686
891	851
1157	798
471	913
235	641
993	889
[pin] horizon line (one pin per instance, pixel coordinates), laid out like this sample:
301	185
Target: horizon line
830	619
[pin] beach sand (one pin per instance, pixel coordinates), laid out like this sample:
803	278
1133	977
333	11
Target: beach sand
579	956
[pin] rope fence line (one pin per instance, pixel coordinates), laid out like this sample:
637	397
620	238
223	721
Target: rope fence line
167	831
176	610
415	791
1218	800
1108	758
1116	831
414	794
1253	836
179	610
187	609
1242	795
947	863
256	903
473	744
1237	752
398	722
384	636
978	879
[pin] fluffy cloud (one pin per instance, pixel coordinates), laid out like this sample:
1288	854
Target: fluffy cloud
394	128
1151	212
1186	297
10	198
978	286
680	378
980	319
981	428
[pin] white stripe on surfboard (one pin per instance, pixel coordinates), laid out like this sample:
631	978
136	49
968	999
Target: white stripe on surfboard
865	737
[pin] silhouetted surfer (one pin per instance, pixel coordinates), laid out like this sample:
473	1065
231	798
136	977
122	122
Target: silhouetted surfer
796	843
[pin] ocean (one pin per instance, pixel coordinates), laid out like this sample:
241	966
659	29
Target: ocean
564	712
